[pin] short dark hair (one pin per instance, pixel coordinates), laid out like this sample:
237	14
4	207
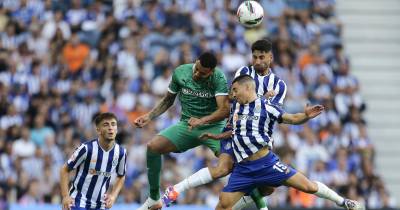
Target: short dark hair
104	116
208	60
243	79
263	45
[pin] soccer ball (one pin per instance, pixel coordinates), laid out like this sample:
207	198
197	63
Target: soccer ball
250	13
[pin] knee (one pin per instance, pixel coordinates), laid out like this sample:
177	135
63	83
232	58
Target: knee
311	187
221	172
224	204
267	191
153	147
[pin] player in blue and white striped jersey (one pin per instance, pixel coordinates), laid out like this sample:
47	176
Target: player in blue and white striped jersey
267	83
95	161
252	122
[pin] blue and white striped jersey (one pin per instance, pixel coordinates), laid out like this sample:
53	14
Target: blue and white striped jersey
94	169
252	126
266	83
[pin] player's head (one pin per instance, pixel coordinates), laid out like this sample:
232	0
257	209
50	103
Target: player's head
243	89
204	66
106	126
261	54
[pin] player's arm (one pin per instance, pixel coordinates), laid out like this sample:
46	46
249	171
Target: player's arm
278	94
73	162
220	136
221	113
110	198
64	180
166	102
300	118
119	182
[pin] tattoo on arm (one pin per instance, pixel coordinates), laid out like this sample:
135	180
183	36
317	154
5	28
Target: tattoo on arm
161	107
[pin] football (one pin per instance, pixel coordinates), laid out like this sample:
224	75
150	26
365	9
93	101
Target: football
250	13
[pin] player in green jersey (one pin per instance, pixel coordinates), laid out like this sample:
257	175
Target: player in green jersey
203	93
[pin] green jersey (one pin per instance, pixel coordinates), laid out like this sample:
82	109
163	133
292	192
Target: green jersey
197	98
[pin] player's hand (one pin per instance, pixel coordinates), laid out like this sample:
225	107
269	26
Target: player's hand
270	94
313	111
109	199
206	136
194	122
142	121
67	202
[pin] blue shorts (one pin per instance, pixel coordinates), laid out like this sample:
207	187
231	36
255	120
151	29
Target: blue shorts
266	171
226	145
81	208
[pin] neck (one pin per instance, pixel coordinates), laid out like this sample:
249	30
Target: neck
251	98
106	145
263	72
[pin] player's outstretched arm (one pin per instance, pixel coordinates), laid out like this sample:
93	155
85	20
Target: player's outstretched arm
67	201
219	136
166	102
221	113
300	118
110	198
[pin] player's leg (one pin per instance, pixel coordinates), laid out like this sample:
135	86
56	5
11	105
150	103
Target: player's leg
203	176
302	183
228	199
155	148
256	197
165	142
207	174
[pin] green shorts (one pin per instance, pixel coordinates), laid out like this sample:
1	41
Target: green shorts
184	139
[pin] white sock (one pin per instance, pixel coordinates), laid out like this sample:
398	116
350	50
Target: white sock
203	176
243	202
327	193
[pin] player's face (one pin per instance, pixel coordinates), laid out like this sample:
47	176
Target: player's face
107	129
239	92
261	60
200	72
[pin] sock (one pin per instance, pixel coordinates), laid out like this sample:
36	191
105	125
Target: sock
258	199
243	202
327	193
154	163
203	176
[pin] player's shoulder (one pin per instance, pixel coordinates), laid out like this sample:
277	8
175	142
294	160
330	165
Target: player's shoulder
218	74
122	149
243	70
275	75
184	67
88	143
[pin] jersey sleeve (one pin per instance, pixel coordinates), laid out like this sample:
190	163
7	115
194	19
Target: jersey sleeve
221	86
275	111
174	86
280	91
77	157
121	167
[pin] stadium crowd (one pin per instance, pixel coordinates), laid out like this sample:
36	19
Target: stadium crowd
61	62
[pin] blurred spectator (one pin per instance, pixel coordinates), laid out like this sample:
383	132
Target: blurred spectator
75	54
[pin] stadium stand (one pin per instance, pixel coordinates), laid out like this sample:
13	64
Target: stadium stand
61	62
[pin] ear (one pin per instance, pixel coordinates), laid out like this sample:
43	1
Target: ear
271	57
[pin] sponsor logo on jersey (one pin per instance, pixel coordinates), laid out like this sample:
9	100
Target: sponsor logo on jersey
201	94
93	171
